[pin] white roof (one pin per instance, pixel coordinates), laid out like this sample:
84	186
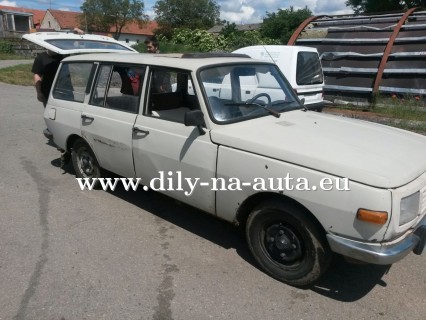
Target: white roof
164	60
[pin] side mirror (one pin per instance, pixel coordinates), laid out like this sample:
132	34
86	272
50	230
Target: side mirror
195	118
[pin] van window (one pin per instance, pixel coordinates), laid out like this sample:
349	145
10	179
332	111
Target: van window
308	69
171	95
72	81
118	87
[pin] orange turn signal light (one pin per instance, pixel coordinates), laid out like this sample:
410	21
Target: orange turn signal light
377	217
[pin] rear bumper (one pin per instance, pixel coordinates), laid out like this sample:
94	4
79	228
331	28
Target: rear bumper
383	253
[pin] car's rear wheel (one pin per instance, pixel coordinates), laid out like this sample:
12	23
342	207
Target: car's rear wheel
85	163
287	243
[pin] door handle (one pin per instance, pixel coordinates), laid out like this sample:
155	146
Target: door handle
84	117
138	130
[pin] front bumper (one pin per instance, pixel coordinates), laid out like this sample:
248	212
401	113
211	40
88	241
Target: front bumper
383	253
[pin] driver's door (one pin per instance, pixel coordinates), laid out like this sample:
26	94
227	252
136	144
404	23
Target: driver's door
163	145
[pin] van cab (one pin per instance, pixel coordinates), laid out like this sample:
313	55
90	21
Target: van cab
303	185
300	65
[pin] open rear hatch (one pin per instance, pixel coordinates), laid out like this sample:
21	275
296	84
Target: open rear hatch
69	43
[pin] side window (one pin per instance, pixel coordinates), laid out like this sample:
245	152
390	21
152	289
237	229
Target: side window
99	92
72	81
171	95
118	87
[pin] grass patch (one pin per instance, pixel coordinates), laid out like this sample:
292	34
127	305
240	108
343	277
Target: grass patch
409	108
20	75
408	112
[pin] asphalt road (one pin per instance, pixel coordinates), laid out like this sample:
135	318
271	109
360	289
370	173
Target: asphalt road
9	63
70	254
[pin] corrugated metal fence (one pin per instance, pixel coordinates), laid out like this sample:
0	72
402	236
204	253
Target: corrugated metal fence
365	55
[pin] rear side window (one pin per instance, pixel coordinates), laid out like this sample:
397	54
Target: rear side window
308	69
71	44
72	81
118	87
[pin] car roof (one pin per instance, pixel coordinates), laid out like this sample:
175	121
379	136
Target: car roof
276	48
180	61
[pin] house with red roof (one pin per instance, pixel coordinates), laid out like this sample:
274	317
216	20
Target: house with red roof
14	21
57	20
68	20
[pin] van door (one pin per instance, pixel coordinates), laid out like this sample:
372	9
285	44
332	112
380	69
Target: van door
164	147
309	79
107	120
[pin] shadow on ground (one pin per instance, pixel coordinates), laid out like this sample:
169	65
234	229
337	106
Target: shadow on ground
343	281
349	282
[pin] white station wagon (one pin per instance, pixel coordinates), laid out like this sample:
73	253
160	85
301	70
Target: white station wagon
303	184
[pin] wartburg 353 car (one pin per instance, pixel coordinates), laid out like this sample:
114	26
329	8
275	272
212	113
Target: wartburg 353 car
304	185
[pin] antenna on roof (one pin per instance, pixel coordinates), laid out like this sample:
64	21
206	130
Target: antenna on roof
264	48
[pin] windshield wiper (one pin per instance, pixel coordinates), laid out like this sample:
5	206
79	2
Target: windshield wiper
271	111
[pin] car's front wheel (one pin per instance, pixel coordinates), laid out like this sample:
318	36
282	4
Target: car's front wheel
84	162
287	243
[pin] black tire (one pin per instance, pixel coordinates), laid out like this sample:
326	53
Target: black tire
85	163
287	243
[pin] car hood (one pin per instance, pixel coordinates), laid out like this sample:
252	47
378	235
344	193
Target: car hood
362	151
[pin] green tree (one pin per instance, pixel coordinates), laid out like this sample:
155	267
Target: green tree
371	6
101	15
247	38
229	29
198	39
235	39
192	14
281	24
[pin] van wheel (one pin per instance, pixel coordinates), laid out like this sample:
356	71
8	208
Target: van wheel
287	243
85	163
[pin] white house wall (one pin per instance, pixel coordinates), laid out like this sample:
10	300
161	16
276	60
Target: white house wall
49	22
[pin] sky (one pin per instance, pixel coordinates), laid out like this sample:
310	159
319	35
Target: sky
238	11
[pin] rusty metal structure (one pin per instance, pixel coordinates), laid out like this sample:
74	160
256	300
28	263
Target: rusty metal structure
365	55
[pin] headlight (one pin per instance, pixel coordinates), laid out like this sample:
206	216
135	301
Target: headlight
409	208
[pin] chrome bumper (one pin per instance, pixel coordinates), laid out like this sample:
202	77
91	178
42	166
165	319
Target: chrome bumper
383	253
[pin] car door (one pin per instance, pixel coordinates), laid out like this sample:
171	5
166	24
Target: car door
107	120
163	147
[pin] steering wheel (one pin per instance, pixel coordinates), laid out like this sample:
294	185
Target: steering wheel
263	94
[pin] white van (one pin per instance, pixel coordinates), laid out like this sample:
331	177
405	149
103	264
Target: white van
300	65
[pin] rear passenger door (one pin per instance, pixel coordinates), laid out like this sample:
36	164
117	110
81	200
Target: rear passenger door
108	118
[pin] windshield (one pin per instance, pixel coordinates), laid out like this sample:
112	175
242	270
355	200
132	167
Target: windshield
72	44
243	91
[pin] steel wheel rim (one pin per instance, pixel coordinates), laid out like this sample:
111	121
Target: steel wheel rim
282	244
85	163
